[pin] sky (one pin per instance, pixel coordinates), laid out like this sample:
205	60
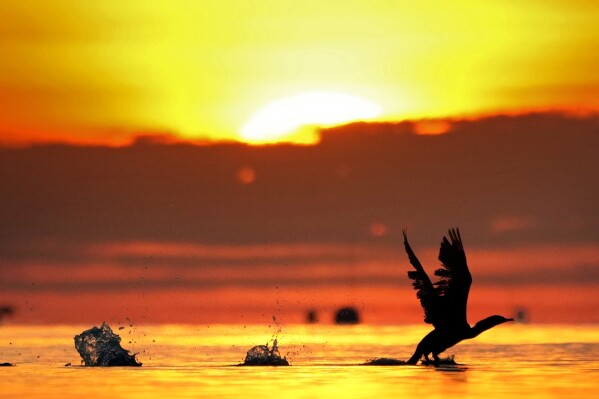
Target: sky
105	71
134	183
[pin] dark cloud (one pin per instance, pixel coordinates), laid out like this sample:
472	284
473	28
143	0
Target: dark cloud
539	168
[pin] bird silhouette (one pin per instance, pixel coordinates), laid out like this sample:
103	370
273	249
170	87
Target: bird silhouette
445	302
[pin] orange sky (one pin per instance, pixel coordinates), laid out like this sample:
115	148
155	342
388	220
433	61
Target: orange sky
102	72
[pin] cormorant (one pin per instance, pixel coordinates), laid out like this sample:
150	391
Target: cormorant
445	301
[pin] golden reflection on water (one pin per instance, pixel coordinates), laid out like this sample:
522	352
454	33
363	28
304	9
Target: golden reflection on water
199	361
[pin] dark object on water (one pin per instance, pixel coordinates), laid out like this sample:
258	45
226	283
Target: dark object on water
521	315
347	315
6	364
6	311
385	361
312	316
445	301
102	347
261	355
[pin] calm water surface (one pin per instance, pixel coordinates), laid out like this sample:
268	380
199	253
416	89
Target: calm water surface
536	361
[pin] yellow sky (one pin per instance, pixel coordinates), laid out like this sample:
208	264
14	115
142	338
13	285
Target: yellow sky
102	71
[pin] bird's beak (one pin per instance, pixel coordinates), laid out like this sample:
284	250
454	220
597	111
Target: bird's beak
509	319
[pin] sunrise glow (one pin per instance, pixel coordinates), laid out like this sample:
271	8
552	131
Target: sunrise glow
104	72
282	120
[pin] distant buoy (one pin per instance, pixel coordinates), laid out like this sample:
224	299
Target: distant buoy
312	316
347	315
6	311
521	315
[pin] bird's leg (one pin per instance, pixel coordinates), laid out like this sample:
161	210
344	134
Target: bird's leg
416	356
427	361
436	357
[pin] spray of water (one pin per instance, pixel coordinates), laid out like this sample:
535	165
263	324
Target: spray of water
102	347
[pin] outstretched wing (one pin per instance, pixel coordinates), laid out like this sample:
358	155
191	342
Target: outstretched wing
425	290
454	285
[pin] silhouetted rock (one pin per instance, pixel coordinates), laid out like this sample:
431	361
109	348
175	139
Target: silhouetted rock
101	347
6	364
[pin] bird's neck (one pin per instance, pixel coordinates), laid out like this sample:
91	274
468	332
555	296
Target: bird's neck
482	326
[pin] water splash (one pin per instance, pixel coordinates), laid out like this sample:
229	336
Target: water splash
102	347
443	361
388	361
278	328
385	361
262	355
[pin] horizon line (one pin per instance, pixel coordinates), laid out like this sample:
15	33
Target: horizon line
424	126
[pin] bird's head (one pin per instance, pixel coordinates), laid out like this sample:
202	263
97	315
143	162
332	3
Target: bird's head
496	319
488	323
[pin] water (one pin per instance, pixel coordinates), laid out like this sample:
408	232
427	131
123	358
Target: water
536	361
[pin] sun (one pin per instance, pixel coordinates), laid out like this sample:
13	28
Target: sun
295	118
